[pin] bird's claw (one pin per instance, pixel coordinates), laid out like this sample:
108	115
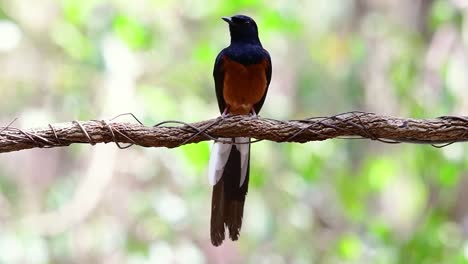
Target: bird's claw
253	114
225	113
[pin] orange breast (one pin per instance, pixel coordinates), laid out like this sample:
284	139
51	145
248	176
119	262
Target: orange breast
244	86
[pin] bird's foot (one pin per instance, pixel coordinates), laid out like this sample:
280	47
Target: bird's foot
225	113
253	114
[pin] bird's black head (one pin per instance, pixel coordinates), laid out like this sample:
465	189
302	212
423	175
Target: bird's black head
243	29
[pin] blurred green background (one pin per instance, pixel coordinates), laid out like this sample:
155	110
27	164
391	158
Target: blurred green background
338	201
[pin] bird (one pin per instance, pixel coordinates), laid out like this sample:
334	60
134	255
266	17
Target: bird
242	75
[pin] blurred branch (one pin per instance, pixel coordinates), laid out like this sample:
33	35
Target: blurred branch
441	130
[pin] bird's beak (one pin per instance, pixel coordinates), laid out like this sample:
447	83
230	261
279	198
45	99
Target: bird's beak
227	19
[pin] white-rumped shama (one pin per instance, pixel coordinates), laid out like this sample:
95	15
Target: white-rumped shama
242	74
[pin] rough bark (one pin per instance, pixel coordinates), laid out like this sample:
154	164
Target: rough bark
440	130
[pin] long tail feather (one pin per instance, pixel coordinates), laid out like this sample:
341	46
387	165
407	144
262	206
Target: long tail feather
227	205
217	214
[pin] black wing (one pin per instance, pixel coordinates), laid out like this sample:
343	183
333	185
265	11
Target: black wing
218	74
268	70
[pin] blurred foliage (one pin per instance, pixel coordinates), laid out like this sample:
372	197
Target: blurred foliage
338	201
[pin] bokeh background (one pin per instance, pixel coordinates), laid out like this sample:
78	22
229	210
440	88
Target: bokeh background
338	201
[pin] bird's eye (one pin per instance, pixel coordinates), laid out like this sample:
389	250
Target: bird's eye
247	22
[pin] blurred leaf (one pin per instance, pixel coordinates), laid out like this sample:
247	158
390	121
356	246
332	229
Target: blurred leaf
441	12
449	174
353	199
204	53
350	247
272	20
424	247
379	172
256	177
403	74
8	187
132	32
233	7
305	161
137	246
198	155
381	230
77	11
72	40
358	48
